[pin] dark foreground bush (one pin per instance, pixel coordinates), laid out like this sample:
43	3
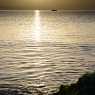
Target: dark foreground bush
84	86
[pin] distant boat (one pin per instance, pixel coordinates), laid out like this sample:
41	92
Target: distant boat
54	10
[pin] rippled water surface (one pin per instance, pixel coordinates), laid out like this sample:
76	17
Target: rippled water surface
43	49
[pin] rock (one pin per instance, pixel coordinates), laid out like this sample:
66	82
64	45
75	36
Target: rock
84	86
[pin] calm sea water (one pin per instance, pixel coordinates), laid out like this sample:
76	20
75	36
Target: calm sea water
44	49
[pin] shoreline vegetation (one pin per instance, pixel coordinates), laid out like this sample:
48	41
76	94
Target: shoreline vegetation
84	86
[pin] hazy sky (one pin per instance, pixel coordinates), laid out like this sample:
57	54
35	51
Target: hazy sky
47	4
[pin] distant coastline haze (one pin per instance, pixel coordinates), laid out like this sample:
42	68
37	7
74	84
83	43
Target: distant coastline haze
47	4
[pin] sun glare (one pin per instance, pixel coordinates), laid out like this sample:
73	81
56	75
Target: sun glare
37	26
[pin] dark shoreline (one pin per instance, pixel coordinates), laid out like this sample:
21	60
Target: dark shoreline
84	86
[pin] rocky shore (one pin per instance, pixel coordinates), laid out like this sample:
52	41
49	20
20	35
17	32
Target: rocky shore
84	86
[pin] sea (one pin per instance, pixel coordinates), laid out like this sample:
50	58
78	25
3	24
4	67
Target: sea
43	49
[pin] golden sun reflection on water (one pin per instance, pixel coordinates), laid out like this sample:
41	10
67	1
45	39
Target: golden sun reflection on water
37	26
